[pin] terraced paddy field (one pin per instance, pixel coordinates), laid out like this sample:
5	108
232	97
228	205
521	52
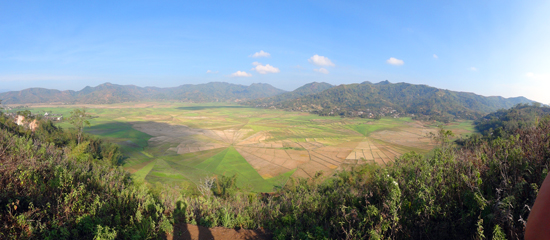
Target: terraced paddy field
180	144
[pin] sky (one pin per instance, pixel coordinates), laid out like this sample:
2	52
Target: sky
486	47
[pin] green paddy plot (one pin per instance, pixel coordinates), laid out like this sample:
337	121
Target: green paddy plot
228	163
280	181
143	172
382	124
234	164
212	163
461	128
120	132
184	143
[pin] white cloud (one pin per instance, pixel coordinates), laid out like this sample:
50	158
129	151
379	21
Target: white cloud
473	69
260	54
320	61
321	70
261	69
241	74
395	61
530	74
210	71
435	56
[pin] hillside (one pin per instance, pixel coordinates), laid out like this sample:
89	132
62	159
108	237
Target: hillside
113	93
394	99
215	92
36	95
310	88
510	120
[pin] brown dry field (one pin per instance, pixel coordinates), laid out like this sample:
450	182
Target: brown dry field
273	157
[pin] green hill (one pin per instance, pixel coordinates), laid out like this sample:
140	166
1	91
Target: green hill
310	88
393	99
510	120
215	92
113	93
36	95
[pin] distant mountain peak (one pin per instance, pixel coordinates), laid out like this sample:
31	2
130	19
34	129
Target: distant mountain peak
307	89
385	82
317	83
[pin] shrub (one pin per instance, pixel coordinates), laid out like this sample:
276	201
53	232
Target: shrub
47	193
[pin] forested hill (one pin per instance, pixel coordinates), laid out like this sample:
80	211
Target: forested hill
510	120
113	93
394	99
310	88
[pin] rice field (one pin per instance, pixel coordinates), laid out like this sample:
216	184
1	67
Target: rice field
180	144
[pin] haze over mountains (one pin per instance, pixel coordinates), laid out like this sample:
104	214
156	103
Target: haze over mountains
364	100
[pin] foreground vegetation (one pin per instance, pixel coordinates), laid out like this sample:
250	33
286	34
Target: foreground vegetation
53	188
483	190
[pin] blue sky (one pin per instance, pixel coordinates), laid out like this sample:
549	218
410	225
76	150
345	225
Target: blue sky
486	47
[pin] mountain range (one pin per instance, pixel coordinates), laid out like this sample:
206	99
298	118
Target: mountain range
365	99
395	99
112	93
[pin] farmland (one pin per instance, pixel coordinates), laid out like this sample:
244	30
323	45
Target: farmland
181	144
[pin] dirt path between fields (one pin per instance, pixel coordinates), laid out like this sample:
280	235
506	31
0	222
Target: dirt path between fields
183	231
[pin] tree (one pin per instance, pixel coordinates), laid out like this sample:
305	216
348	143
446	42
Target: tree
442	138
205	186
27	119
79	119
26	114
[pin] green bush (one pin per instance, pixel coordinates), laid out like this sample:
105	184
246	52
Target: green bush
62	193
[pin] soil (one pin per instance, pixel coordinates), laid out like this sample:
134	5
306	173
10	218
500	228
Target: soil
183	231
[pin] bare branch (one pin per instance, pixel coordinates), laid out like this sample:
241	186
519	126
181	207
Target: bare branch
205	186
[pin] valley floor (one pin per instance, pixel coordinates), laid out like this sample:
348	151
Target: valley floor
181	144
